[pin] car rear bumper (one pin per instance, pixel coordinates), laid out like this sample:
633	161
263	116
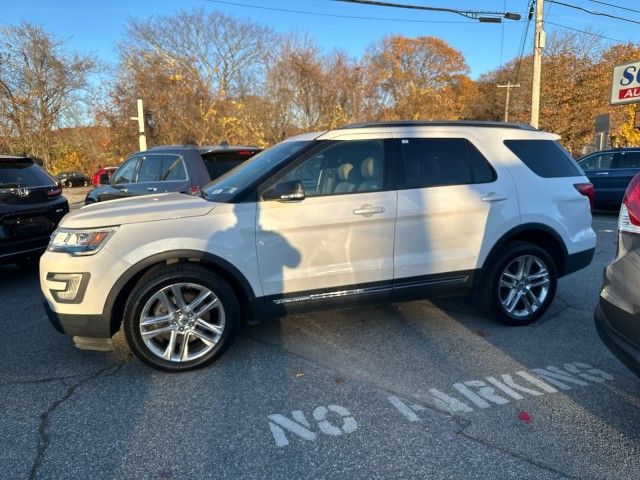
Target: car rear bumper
96	326
578	261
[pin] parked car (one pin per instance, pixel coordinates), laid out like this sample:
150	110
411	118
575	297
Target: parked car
73	179
372	213
31	205
610	172
617	316
174	168
95	178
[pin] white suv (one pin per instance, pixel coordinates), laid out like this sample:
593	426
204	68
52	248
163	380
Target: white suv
369	213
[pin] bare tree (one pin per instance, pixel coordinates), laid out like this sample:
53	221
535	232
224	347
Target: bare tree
225	53
40	86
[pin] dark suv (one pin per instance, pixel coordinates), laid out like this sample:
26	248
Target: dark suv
610	172
31	205
174	168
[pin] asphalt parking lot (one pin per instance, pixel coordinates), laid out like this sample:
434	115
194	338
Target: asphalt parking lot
414	390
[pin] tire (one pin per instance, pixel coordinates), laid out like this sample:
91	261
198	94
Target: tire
503	279
208	334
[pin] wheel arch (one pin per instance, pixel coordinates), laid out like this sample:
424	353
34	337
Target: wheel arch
538	234
252	307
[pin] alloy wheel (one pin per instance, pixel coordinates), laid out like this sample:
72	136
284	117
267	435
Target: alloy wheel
182	322
524	286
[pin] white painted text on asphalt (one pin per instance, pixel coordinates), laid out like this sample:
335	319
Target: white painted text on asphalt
336	420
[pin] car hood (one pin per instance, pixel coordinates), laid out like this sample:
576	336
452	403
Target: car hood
147	208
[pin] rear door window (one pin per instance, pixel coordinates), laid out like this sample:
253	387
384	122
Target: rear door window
172	169
545	158
219	163
626	160
23	173
434	162
600	161
150	168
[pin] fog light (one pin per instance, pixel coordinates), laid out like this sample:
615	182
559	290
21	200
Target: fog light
72	286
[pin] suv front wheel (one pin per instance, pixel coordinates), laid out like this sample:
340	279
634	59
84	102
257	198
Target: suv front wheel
520	285
180	317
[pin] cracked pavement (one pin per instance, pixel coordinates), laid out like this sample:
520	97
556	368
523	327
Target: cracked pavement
72	414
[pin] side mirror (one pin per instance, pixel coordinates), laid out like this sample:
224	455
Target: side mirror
104	179
290	191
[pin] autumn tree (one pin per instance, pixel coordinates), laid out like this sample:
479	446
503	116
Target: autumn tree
417	78
41	86
576	83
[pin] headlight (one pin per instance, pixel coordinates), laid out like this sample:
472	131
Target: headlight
79	242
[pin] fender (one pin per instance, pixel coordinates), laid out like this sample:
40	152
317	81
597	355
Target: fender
518	232
255	304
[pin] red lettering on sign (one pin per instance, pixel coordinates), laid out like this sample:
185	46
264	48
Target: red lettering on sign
629	93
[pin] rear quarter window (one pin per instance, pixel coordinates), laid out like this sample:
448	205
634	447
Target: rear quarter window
545	158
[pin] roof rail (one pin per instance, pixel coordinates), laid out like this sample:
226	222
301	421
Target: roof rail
441	123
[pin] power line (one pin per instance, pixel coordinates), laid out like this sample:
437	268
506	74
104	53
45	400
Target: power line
335	15
593	12
615	6
586	32
475	14
523	40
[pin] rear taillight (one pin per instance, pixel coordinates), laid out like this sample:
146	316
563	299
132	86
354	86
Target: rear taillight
586	189
54	192
195	190
629	218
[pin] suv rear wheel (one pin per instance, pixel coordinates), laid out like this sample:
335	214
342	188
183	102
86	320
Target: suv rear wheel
520	286
180	317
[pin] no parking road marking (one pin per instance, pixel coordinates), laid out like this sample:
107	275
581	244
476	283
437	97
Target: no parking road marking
336	420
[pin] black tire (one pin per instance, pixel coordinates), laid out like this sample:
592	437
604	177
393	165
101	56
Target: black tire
156	279
490	291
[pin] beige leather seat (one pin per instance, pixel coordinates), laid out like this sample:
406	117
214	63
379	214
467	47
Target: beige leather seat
371	170
344	174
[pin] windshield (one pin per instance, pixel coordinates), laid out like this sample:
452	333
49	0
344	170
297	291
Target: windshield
247	173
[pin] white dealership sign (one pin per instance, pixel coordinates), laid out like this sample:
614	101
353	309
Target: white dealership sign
626	84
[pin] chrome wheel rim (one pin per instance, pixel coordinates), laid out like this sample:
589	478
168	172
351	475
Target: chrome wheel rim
182	322
524	286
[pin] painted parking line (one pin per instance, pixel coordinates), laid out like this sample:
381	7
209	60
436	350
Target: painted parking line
462	397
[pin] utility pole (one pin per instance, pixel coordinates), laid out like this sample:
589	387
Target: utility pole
140	118
538	46
508	86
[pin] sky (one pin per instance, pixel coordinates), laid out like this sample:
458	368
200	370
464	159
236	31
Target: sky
96	26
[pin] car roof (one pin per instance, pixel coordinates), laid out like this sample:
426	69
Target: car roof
441	123
14	157
612	150
202	148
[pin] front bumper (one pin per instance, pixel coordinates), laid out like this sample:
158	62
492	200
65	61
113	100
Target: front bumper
624	349
95	326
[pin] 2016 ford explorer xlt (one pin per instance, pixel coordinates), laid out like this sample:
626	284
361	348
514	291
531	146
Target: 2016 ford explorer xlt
364	214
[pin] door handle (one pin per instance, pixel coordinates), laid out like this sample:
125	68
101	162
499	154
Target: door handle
493	197
368	210
152	189
122	189
602	173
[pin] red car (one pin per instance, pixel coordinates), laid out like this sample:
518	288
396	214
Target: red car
95	179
